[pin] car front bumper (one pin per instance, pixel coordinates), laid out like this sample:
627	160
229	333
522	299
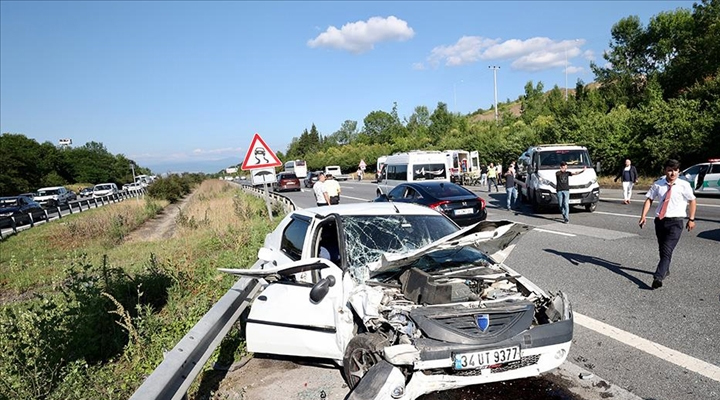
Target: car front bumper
546	197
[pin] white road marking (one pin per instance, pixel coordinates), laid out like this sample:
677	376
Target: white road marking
555	232
342	196
673	356
618	214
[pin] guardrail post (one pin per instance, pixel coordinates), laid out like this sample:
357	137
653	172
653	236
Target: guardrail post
59	212
47	216
70	207
14	225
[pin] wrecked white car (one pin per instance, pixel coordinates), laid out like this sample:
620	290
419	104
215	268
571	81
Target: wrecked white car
404	300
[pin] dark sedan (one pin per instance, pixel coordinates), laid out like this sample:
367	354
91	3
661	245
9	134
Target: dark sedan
17	207
311	178
459	204
286	181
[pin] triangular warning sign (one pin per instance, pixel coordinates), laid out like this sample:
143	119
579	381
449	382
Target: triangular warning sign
259	155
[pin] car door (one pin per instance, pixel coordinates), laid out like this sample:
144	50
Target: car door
286	318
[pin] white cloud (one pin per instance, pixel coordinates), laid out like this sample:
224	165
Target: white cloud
534	54
418	66
468	49
361	36
571	69
589	55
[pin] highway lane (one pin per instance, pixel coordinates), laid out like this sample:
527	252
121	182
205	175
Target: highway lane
605	264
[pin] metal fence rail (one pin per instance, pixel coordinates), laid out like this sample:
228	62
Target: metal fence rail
51	213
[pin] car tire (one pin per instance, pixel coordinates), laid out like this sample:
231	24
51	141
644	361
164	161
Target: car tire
361	354
590	207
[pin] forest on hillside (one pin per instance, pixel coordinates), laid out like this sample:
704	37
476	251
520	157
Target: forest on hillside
655	96
28	165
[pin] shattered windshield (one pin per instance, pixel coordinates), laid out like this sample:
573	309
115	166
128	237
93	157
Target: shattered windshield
369	236
452	262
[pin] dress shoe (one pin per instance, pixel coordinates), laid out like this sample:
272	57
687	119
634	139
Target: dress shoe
656	284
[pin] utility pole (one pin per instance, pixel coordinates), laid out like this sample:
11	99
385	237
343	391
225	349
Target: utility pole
566	68
495	68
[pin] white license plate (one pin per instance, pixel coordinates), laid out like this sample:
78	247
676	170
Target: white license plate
464	211
482	359
576	201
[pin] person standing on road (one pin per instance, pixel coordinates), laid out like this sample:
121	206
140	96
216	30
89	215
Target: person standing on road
321	196
562	186
492	178
629	177
483	175
332	187
676	197
510	189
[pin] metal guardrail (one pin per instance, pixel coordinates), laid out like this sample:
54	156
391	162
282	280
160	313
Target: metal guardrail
57	211
181	365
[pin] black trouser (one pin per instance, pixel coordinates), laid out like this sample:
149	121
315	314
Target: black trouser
668	232
334	199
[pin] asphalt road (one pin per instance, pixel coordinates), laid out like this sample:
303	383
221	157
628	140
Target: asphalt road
657	344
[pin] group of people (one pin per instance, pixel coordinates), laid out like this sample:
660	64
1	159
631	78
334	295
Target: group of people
327	190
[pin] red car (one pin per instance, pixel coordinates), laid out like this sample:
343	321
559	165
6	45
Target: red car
286	181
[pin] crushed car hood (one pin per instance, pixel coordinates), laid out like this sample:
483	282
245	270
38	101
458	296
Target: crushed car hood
492	237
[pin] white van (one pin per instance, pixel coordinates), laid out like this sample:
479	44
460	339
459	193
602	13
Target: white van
104	189
535	175
411	167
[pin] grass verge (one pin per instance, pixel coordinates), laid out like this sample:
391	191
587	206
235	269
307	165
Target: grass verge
104	308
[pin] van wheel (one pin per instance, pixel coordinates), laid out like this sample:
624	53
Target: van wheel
590	207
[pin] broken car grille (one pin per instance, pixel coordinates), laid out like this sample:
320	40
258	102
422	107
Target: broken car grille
466	324
523	362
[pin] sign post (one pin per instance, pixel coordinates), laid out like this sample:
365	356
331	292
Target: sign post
262	162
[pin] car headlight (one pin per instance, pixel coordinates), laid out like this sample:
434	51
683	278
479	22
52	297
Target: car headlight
6	214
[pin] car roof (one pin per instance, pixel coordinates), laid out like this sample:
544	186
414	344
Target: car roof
370	208
50	188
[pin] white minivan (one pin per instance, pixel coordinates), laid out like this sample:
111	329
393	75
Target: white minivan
411	167
104	189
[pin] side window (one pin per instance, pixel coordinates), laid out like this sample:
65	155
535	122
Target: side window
715	169
396	193
293	239
410	193
692	170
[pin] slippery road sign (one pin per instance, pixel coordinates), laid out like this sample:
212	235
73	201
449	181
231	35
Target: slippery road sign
259	155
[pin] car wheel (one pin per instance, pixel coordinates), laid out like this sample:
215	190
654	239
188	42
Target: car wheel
361	354
590	207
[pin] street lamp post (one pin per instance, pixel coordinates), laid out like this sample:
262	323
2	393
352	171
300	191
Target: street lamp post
566	68
495	68
455	95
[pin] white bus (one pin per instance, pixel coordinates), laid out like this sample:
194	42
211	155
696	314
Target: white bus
298	167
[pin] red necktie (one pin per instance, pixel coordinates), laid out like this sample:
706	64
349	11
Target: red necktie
663	208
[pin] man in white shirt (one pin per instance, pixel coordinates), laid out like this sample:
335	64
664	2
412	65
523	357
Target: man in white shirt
321	196
675	195
332	187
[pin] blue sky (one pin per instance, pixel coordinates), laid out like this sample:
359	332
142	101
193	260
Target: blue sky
172	84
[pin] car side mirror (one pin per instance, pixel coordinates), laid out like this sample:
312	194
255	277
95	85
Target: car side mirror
321	289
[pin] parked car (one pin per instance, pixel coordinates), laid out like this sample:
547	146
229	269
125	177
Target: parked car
104	189
459	204
131	187
86	192
52	196
400	288
286	181
71	195
17	207
311	178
